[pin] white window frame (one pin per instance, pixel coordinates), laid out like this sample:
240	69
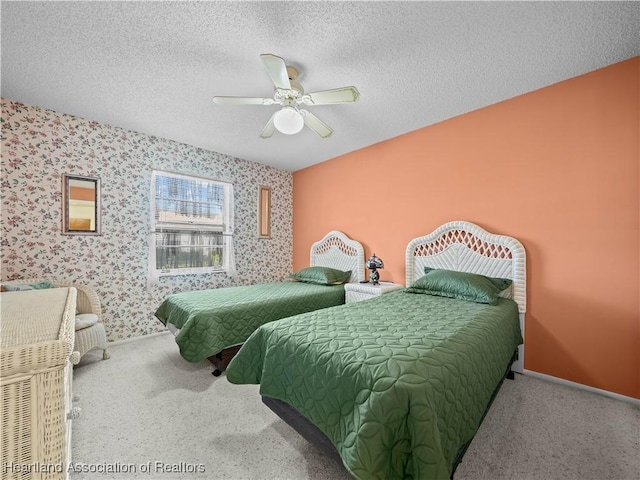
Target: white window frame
225	229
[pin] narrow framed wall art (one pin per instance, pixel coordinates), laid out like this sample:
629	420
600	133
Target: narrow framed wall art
264	212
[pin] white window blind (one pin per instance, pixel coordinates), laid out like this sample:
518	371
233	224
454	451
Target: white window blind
192	227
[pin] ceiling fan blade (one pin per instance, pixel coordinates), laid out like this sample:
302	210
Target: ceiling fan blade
269	128
243	101
277	70
336	95
315	124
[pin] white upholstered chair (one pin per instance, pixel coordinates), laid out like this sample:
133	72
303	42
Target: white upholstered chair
90	332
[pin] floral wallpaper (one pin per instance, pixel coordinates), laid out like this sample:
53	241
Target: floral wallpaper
40	145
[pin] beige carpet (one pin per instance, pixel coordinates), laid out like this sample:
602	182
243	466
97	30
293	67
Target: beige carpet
147	413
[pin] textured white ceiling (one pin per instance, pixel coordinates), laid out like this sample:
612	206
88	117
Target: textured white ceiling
154	67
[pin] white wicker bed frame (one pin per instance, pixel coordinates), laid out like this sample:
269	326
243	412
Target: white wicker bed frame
334	250
460	246
466	247
338	251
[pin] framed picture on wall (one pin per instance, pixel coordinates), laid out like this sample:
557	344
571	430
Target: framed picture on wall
264	212
80	205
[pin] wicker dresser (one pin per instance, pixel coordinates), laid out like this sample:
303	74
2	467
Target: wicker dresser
37	329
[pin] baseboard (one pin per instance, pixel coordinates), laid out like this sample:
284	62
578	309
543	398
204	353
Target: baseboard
606	393
135	339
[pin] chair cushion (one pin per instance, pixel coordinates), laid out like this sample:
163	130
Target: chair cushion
85	320
22	287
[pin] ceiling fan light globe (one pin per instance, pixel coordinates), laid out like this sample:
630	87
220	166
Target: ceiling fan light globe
288	121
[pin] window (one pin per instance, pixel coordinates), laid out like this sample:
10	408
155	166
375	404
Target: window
192	225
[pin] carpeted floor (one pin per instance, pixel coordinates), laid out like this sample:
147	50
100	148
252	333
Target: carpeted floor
147	413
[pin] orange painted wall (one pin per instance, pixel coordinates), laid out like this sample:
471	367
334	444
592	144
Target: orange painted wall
557	168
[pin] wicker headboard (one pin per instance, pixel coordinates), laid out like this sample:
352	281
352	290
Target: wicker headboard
466	247
336	250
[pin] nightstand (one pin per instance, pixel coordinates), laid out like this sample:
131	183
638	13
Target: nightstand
356	292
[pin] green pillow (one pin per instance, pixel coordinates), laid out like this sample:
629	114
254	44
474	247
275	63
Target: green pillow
460	285
321	276
500	283
21	287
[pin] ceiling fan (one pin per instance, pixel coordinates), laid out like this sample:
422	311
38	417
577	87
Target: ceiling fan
289	94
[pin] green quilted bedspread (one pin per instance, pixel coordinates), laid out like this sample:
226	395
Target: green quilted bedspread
212	320
398	383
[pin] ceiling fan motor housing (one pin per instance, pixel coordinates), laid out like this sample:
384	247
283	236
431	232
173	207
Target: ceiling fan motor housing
293	73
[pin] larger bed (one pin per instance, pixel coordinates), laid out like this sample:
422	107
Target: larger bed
398	385
210	323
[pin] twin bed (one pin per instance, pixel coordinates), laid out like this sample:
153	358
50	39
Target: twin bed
397	386
214	323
